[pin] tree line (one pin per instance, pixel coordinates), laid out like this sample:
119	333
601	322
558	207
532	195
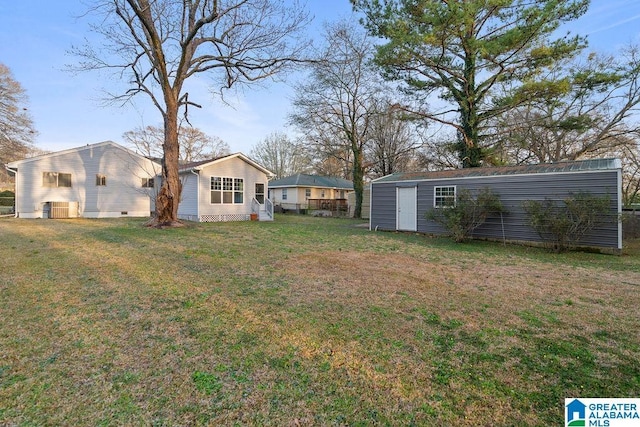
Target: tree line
413	86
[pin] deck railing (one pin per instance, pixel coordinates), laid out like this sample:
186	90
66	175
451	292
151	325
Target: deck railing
333	205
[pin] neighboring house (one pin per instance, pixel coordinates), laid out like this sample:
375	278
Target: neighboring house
400	201
302	191
228	188
94	181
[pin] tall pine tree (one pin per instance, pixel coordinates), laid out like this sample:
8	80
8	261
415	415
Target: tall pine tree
470	59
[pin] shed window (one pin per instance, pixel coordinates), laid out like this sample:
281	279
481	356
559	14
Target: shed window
101	180
227	190
56	179
444	197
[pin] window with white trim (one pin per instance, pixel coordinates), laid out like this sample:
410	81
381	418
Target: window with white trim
444	197
226	190
284	194
307	193
260	193
101	180
56	179
147	183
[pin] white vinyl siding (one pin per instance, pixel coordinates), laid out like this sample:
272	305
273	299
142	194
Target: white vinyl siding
56	179
243	188
82	165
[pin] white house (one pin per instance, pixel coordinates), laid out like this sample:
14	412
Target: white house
301	191
228	188
95	181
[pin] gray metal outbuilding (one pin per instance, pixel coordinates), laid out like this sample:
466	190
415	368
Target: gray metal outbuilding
400	201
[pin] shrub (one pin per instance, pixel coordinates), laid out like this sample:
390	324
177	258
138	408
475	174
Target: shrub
467	214
563	225
6	198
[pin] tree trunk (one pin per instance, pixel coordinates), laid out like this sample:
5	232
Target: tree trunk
169	195
469	150
358	181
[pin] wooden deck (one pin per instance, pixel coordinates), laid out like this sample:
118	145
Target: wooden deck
333	205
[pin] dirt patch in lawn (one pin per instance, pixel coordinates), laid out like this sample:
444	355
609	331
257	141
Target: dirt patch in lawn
461	287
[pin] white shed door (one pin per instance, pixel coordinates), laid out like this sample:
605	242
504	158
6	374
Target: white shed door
406	214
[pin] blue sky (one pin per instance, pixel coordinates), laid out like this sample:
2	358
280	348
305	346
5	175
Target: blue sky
35	36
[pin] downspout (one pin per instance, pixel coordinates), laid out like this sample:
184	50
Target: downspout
196	172
618	166
371	205
15	200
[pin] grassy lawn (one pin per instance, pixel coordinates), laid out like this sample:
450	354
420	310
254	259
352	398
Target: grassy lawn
304	321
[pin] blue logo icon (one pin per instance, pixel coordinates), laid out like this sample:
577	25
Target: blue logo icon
576	414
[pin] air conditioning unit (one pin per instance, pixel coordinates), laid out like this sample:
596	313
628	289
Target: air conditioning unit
60	210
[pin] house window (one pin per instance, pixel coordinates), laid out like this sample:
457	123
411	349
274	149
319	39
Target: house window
284	194
444	197
307	193
147	182
227	190
322	194
260	193
56	179
238	190
101	180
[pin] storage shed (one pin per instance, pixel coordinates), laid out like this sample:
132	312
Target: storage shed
400	201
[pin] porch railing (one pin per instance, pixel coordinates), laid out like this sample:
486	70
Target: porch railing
256	207
268	207
333	205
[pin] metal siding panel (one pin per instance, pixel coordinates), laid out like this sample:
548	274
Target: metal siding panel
513	191
383	201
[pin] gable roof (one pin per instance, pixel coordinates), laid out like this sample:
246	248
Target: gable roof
559	167
303	180
17	163
196	166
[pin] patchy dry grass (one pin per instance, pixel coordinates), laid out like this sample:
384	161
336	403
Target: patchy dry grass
304	321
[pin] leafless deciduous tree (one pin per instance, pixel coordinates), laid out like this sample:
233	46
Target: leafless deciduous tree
438	152
629	154
281	155
334	107
16	126
393	140
330	156
592	116
156	46
194	144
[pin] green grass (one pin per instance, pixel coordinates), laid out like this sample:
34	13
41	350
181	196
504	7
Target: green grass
304	321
